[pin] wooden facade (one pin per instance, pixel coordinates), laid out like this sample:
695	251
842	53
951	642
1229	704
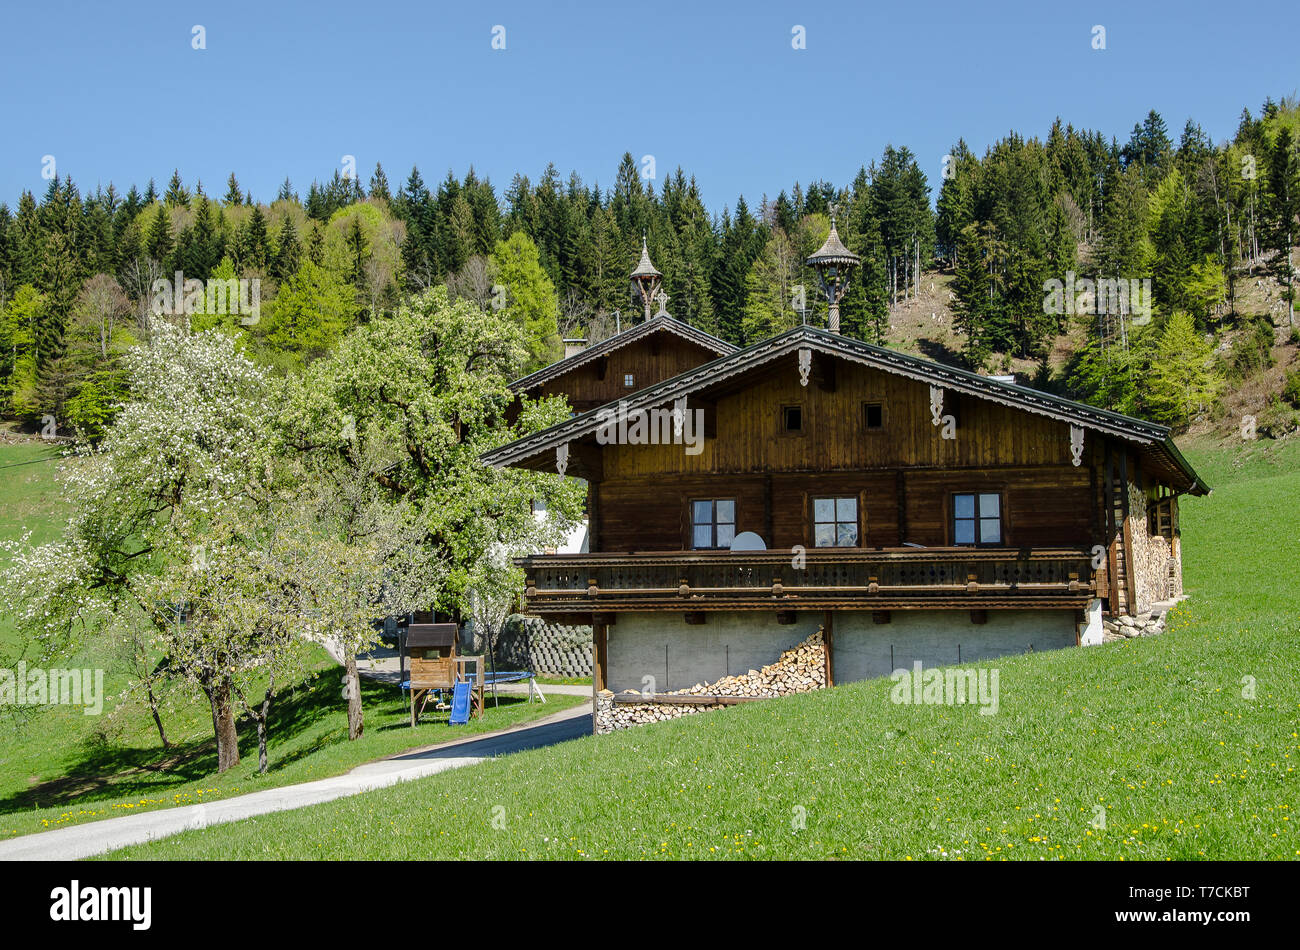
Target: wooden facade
947	491
903	473
641	356
623	371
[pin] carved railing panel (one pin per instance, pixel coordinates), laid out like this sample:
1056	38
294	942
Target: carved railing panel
702	579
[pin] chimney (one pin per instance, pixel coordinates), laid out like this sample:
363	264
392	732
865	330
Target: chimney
574	346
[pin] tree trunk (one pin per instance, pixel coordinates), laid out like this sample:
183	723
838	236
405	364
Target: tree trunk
916	268
223	716
153	708
261	735
212	705
355	723
260	716
1290	284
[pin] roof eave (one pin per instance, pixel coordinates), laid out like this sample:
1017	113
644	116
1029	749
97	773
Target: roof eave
1115	424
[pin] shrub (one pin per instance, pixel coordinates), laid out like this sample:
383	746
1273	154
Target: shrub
1253	348
1291	390
1277	421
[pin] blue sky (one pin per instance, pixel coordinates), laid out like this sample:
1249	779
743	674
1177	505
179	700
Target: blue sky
115	92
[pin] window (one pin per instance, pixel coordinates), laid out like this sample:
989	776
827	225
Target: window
835	522
629	381
977	519
792	418
713	523
874	415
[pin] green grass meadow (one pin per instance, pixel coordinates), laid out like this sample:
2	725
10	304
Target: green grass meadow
59	766
1177	747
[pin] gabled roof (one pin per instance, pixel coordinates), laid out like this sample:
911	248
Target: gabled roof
660	323
1154	440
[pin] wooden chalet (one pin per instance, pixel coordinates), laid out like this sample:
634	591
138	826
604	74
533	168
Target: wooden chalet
914	510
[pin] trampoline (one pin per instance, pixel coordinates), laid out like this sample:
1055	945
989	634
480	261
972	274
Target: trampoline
513	676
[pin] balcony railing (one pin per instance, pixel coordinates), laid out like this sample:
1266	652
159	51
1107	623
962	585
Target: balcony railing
886	579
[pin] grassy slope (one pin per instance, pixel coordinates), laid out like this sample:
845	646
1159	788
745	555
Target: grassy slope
1155	731
59	766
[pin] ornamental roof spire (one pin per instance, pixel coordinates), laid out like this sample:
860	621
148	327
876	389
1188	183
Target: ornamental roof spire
646	279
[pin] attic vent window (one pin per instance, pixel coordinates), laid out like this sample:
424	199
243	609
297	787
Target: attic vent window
629	381
874	413
792	418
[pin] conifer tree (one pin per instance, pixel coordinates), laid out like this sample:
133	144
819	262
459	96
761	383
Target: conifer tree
1284	213
158	239
1181	381
316	245
234	194
177	196
287	251
254	242
379	184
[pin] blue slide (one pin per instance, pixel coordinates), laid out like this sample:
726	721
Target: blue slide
460	700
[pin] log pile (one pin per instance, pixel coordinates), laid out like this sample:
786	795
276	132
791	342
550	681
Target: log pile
798	670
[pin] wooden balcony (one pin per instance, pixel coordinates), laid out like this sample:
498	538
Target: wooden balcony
886	579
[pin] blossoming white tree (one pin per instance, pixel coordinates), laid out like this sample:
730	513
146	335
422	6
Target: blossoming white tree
236	518
186	455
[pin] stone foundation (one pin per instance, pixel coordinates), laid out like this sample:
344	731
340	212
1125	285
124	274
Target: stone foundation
1144	625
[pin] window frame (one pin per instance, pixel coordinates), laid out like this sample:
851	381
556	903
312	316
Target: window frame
629	381
835	500
978	518
712	524
866	424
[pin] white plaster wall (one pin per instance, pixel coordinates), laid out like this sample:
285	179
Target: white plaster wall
1091	634
679	655
941	638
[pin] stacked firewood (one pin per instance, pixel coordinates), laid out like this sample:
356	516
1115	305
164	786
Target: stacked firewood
611	715
798	670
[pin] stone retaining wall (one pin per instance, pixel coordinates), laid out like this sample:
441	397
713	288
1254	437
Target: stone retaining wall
548	649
